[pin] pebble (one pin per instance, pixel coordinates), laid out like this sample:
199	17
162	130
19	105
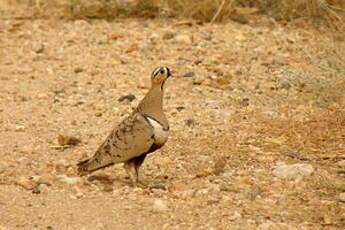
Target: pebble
180	108
153	38
190	122
183	39
39	48
19	128
180	187
26	183
78	70
81	22
189	74
160	205
168	35
198	79
129	97
187	193
275	226
236	215
70	180
293	171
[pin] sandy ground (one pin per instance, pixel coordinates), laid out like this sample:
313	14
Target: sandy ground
246	99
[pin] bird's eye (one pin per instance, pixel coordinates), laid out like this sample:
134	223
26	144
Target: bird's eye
162	71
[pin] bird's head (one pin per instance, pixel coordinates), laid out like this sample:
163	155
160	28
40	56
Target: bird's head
160	75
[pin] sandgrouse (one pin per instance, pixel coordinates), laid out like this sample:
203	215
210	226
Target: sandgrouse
142	132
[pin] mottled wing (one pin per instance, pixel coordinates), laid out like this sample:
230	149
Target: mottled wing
133	137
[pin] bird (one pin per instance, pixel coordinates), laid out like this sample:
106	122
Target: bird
143	131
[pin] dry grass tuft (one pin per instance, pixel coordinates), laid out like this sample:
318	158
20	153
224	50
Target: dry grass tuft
331	11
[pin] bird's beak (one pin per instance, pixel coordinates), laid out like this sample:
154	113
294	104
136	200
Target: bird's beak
171	74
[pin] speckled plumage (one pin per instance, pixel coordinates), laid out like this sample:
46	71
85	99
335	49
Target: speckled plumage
137	135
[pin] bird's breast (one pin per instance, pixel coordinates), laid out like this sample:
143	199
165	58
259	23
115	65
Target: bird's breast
160	134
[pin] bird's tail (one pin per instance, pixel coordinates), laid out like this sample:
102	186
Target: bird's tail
92	164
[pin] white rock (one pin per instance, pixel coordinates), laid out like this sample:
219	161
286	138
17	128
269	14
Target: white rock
275	226
293	171
153	38
19	128
160	205
25	182
235	216
70	180
183	39
187	193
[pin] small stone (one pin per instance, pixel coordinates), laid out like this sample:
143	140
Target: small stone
198	80
285	85
78	70
240	38
70	180
67	140
180	108
187	193
129	97
235	216
183	39
160	205
213	105
206	35
36	190
293	171
98	114
19	128
158	186
108	188
299	156
168	35
219	165
189	74
180	187
190	122
39	48
275	226
81	22
245	102
61	166
26	183
153	38
115	36
79	194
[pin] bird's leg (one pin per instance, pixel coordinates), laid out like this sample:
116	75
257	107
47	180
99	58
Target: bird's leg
138	161
131	170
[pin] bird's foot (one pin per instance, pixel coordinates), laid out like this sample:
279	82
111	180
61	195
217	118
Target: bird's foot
142	183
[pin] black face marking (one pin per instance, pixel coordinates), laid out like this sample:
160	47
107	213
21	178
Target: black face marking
160	70
168	70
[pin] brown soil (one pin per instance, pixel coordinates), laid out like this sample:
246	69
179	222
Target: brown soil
261	95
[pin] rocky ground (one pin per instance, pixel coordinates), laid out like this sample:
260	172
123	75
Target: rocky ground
256	113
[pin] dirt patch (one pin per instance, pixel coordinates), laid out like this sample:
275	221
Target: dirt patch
246	99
